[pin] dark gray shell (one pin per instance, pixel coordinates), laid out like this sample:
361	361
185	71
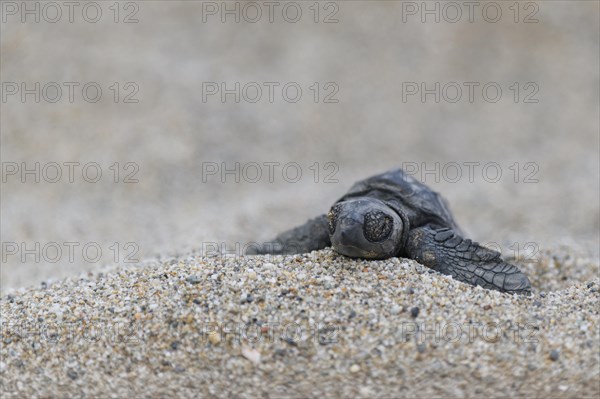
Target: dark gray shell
403	192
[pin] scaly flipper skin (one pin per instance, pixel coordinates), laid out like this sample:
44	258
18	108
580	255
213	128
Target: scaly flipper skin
445	251
310	236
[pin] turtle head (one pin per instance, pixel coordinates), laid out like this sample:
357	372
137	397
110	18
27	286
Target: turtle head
365	228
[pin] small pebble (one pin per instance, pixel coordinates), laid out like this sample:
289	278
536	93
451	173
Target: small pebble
269	266
193	279
554	355
280	352
414	312
246	298
214	338
355	368
251	354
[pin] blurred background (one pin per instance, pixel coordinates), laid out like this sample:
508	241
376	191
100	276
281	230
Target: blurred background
167	122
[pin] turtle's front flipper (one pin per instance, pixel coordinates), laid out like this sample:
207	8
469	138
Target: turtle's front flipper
310	236
447	252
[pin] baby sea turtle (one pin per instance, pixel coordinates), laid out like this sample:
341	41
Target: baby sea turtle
393	214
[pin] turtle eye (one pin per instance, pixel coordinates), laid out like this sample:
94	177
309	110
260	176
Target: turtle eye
377	226
332	217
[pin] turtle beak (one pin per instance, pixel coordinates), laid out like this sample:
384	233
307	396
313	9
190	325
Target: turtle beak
348	230
347	237
348	233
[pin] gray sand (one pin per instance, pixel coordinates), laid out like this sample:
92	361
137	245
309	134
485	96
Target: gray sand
143	328
311	325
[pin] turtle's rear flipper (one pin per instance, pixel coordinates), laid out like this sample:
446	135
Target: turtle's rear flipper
310	236
447	252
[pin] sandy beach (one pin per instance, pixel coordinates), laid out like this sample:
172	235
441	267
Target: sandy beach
302	326
123	214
